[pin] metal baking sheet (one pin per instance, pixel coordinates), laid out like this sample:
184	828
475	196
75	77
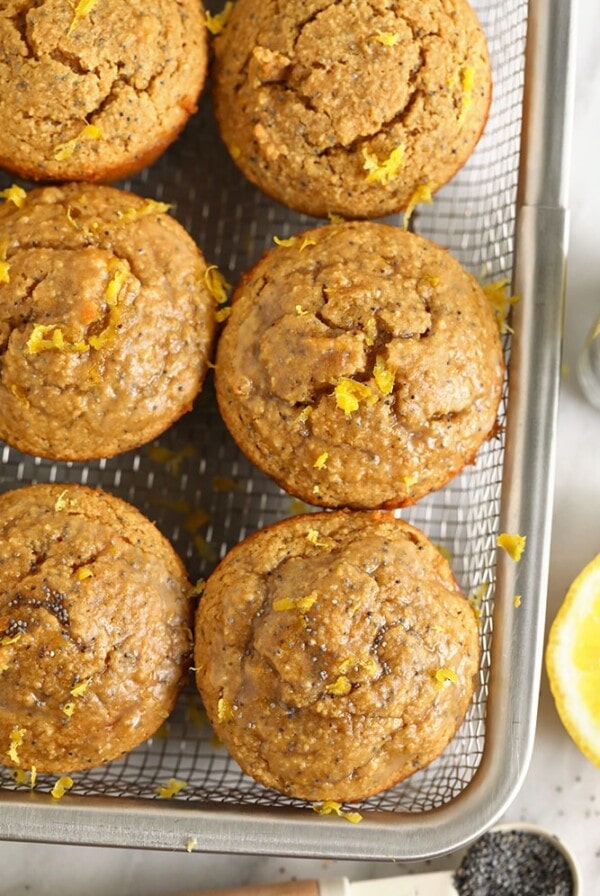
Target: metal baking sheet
502	216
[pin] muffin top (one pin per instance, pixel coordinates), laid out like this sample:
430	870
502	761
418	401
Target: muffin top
96	89
351	106
335	654
361	366
95	637
106	322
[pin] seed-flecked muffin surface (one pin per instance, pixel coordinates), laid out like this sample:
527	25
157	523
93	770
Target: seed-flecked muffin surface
349	106
96	90
335	654
361	366
105	321
95	636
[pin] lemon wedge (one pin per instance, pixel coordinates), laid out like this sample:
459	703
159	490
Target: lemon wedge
573	661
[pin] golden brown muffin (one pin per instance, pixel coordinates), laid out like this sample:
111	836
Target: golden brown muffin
361	366
96	89
95	638
351	106
106	322
335	654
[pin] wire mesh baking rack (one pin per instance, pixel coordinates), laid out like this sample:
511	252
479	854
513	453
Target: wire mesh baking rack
502	216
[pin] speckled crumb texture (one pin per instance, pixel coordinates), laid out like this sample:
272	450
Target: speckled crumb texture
351	106
361	366
335	654
95	637
106	323
96	90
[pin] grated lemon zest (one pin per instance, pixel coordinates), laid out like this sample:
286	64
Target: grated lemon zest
305	603
191	844
216	23
80	689
79	11
335	219
386	38
4	269
340	687
65	150
304	414
225	711
84	572
172	787
422	194
25	777
410	480
321	461
61	786
16	738
514	545
306	242
476	600
283	603
383	172
198	588
330	807
8	639
371	331
216	284
383	375
150	207
349	394
300	310
497	293
222	314
313	536
517	601
68	709
444	674
286	243
20	395
14	194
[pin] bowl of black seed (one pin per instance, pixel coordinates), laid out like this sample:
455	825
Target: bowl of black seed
517	860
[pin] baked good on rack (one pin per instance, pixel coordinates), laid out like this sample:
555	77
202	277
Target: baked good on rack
361	366
351	106
96	90
106	322
95	637
335	654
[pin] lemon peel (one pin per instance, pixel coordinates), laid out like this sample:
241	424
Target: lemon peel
573	661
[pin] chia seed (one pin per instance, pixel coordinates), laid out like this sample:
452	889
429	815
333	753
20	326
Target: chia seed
513	863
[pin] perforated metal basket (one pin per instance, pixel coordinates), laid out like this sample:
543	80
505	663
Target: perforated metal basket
501	218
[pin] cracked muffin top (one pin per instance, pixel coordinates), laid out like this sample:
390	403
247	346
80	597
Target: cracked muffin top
106	321
361	366
96	89
335	654
95	638
352	107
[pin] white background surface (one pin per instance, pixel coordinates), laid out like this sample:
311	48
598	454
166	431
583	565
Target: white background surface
562	789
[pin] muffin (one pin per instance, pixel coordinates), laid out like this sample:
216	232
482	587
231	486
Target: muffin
106	321
95	636
96	91
350	106
335	654
361	366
